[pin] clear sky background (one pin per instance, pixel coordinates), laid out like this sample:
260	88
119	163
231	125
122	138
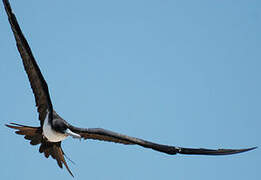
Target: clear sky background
183	73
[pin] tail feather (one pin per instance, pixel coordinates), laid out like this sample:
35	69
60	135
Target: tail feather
56	152
34	135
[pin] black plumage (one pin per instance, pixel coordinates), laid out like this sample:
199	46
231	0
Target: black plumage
60	128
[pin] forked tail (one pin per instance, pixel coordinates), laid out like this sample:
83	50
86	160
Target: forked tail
34	135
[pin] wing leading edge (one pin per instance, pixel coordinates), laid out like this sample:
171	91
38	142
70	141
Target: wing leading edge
106	135
37	82
41	94
43	102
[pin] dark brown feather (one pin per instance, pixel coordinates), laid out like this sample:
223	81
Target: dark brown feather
43	102
56	152
37	82
34	135
106	135
104	138
41	94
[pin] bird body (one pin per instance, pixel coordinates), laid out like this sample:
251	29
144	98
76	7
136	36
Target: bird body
53	129
52	133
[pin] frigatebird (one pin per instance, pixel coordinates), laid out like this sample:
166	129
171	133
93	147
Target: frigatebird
54	129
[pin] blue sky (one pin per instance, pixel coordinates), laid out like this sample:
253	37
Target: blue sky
183	73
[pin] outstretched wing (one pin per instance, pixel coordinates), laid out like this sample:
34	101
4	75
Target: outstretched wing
34	135
106	135
37	82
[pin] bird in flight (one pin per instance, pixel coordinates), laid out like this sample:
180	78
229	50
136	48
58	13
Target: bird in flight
53	129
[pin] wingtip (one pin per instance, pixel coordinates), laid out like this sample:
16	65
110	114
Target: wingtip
247	149
13	125
243	150
236	151
201	151
250	149
9	125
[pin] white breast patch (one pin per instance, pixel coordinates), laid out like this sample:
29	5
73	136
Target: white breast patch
50	134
